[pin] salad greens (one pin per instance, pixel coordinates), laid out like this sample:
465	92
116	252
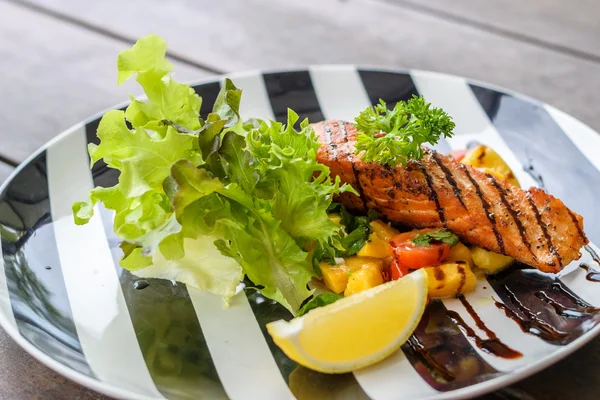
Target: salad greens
392	137
207	201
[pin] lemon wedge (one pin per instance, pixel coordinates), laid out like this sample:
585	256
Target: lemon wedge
356	331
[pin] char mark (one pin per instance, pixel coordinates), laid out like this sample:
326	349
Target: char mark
512	212
486	207
449	178
332	146
355	169
576	222
433	195
544	229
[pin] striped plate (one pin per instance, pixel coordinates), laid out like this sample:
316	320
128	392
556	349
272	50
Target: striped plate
64	298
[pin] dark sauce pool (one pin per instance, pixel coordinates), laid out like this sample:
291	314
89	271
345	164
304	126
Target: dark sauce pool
440	353
542	305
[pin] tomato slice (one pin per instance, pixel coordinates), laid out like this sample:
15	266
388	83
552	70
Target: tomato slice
397	270
409	256
459	154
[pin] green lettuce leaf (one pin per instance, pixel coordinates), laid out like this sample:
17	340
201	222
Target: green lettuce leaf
208	201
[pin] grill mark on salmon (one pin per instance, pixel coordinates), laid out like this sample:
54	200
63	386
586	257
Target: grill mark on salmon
544	229
433	195
438	191
331	144
355	169
576	223
486	207
449	178
512	212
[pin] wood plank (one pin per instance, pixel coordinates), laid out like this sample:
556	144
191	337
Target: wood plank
53	76
248	34
572	24
24	378
5	171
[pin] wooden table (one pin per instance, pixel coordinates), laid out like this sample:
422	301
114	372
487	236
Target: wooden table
57	62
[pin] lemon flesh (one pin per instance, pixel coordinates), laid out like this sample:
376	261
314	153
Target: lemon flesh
356	331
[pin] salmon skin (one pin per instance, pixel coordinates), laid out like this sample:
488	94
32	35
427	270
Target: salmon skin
437	191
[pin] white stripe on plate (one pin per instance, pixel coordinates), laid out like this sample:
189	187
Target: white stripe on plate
582	136
238	348
394	377
340	91
99	310
5	304
454	95
255	100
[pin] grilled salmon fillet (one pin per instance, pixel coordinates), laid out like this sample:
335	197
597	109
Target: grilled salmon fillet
531	226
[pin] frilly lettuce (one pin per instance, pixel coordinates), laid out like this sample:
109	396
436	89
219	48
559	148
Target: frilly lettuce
208	201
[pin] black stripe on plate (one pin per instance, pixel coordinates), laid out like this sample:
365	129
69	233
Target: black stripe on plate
33	272
209	93
293	90
303	382
545	150
392	87
442	355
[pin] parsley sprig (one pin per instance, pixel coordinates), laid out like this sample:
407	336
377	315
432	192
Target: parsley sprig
392	137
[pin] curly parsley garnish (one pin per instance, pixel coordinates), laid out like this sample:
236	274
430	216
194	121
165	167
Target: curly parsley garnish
443	235
392	137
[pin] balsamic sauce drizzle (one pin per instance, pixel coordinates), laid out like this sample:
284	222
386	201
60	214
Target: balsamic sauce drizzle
592	275
492	345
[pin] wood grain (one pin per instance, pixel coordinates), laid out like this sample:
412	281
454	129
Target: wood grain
572	24
24	378
53	76
248	34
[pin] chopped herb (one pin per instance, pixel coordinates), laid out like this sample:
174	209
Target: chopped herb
444	235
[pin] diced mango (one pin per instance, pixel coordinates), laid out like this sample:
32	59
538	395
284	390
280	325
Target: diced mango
460	252
355	263
365	278
486	158
382	230
450	279
489	261
334	276
336	219
375	247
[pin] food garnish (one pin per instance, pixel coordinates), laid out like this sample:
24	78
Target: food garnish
344	336
392	137
442	235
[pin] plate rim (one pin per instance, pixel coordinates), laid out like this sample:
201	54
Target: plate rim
466	392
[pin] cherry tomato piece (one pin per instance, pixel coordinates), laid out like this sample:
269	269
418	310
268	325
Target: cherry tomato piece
397	270
459	154
411	256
